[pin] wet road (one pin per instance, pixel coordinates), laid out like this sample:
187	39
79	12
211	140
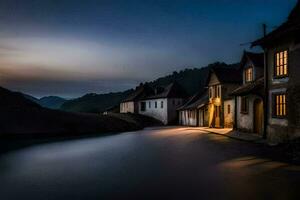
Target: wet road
170	163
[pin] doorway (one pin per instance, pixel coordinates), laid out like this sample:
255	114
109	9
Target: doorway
217	116
258	116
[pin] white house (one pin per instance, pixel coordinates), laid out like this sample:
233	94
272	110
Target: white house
249	97
131	104
164	103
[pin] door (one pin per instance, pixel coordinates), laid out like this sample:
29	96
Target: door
258	116
217	116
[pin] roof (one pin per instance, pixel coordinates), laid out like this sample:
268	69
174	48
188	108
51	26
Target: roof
290	28
227	75
198	100
248	88
256	58
140	92
173	90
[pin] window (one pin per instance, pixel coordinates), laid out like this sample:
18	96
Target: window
155	104
249	74
219	91
143	106
162	104
149	104
210	92
279	108
244	105
281	64
228	109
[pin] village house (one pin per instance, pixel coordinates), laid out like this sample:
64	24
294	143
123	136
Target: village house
222	82
131	104
282	82
195	111
164	103
250	96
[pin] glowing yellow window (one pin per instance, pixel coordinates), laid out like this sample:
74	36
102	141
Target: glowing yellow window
280	109
281	64
249	74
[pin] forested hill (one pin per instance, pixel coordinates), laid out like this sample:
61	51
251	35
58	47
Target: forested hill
192	80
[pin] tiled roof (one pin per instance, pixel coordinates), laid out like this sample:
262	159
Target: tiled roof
140	92
248	88
290	28
196	101
228	74
173	90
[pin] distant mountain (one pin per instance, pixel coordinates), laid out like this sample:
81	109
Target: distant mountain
35	100
192	80
95	103
21	116
52	102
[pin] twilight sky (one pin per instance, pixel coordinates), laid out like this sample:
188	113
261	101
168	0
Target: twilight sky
72	47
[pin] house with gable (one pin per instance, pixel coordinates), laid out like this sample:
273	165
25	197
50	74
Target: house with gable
131	103
195	111
222	81
249	96
163	104
282	82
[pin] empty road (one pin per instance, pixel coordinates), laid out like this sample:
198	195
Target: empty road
157	163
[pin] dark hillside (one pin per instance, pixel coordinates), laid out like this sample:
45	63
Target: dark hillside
21	116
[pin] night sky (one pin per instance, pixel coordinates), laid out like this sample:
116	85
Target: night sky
72	47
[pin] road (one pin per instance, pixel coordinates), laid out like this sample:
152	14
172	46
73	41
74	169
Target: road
158	163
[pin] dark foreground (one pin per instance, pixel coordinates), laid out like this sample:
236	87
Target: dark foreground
170	163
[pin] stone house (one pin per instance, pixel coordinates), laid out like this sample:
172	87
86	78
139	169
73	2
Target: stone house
131	104
250	96
222	81
282	82
163	104
195	111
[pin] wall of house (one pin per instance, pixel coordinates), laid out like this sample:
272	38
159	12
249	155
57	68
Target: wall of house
157	113
277	128
203	116
173	105
127	107
229	116
245	122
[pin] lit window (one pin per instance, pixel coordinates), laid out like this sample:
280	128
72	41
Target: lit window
281	64
249	74
279	109
244	105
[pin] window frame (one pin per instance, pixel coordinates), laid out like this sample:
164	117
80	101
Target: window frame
275	76
244	105
246	74
274	105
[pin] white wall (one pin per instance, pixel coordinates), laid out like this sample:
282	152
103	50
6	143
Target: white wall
166	114
229	117
157	113
246	121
